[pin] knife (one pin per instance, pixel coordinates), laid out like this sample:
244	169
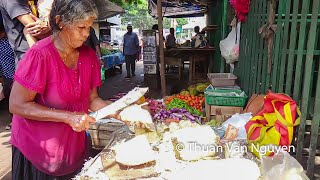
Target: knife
132	96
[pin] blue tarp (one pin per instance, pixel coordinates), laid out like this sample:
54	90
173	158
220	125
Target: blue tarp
113	60
174	9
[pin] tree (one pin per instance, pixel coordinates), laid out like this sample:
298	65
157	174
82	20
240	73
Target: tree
181	22
125	2
138	16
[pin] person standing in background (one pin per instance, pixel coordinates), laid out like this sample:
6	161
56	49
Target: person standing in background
139	54
130	50
170	39
199	40
7	63
44	8
93	42
19	24
55	87
16	16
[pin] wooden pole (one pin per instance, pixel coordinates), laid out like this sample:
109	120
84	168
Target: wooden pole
161	52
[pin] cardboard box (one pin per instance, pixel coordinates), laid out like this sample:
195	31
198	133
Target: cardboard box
221	113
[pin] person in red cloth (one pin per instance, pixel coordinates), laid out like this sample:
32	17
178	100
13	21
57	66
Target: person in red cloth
55	86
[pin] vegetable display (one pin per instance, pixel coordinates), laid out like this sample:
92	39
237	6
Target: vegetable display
182	104
214	123
105	51
155	106
175	114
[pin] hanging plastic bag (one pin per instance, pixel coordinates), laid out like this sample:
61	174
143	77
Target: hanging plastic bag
103	73
229	47
282	166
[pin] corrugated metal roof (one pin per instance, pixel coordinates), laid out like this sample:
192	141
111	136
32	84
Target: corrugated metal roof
178	8
107	9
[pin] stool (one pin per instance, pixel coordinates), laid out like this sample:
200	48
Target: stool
172	61
194	75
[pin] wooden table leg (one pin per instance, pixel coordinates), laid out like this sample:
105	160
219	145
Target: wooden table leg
190	68
208	112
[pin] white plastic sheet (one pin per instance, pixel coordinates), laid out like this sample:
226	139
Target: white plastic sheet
282	166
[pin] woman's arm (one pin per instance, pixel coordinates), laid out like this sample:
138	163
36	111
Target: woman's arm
34	26
22	103
96	102
30	39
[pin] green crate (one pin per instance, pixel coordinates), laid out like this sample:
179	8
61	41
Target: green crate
216	98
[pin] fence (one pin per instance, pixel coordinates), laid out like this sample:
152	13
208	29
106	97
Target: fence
294	64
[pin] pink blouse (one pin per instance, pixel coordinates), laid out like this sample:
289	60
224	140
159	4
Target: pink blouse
52	147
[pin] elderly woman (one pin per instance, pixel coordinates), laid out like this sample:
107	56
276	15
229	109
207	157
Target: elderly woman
55	86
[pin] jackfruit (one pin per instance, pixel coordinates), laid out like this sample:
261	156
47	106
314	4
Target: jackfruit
201	87
184	92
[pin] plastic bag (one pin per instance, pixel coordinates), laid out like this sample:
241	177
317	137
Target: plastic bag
229	47
282	166
103	73
274	124
238	121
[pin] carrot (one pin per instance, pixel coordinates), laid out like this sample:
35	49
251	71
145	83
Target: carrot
169	120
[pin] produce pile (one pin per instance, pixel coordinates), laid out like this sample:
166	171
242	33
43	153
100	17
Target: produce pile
195	89
187	105
155	106
180	104
176	115
214	123
105	51
195	102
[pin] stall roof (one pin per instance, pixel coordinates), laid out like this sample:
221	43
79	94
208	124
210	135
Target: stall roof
178	8
107	9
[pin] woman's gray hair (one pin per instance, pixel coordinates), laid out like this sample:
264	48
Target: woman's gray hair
71	11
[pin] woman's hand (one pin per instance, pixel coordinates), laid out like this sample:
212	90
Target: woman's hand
116	115
80	122
38	28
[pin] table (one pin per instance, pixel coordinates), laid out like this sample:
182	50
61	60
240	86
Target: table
191	53
112	60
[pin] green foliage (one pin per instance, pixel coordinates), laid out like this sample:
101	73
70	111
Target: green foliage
123	3
137	14
139	17
181	22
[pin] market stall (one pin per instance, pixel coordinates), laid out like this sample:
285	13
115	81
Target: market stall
198	54
171	138
115	59
208	131
194	55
